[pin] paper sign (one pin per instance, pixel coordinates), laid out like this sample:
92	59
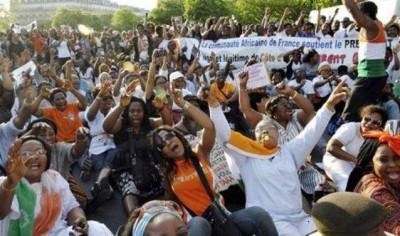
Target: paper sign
18	73
258	75
17	28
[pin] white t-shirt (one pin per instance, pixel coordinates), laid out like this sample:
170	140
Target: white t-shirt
307	88
63	50
325	89
101	141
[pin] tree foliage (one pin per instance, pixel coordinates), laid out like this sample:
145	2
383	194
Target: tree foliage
200	10
252	11
124	19
165	10
73	17
6	18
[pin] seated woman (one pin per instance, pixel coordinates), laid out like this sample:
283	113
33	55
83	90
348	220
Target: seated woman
383	184
182	180
157	218
36	200
342	149
137	174
269	171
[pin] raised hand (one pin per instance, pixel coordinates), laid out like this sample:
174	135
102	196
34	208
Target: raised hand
82	134
177	97
44	92
6	64
243	78
337	95
282	88
16	167
105	88
125	99
68	85
132	85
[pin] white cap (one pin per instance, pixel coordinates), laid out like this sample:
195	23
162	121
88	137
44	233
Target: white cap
175	75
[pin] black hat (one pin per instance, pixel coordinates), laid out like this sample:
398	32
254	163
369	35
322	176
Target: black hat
347	213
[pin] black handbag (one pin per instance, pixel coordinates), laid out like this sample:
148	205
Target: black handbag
219	220
141	169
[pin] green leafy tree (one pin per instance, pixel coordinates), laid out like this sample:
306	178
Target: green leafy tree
6	18
200	10
124	19
165	10
71	17
252	11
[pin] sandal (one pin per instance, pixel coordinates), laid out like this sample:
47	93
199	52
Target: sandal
86	169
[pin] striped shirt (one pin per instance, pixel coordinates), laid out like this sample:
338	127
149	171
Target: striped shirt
371	54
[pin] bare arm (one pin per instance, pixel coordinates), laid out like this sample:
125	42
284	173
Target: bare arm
282	21
7	191
396	64
192	67
151	80
82	137
7	82
361	19
318	26
252	116
334	147
330	21
24	113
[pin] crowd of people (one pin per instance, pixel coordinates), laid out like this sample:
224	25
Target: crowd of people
189	147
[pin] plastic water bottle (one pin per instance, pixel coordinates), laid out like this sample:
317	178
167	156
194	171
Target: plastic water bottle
396	89
318	192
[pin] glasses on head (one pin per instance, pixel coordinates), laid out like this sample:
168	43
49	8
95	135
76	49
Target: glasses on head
374	122
157	206
38	152
160	142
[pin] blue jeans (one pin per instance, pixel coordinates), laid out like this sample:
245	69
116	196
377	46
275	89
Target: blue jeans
101	160
250	221
393	109
254	221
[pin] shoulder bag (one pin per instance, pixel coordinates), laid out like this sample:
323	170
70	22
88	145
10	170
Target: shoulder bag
219	220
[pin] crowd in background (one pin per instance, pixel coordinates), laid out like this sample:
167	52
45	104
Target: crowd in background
144	117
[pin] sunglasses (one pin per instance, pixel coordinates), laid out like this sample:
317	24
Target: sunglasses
157	206
374	122
160	142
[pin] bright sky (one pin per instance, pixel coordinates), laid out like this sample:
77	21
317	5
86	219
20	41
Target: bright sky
146	4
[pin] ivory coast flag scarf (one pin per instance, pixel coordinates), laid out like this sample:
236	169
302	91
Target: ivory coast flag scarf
26	199
50	208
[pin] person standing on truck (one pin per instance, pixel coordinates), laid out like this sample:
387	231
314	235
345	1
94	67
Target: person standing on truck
371	57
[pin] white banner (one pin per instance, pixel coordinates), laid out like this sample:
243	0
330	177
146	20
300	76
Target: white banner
335	51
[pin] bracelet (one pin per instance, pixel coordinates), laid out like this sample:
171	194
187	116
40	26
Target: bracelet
7	189
186	106
121	107
295	95
98	97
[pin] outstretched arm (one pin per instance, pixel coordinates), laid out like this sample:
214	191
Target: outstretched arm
360	18
252	116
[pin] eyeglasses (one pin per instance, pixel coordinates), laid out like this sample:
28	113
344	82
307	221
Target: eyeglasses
374	122
160	142
38	152
156	206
